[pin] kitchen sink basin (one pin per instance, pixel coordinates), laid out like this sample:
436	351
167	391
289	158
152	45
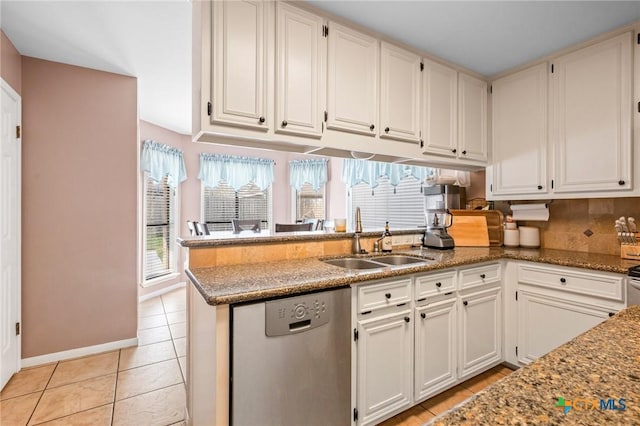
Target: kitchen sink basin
354	263
397	260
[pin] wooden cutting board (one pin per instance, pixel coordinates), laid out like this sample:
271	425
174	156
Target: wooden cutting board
494	223
470	231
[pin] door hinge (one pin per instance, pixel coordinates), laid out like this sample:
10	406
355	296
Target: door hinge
551	68
516	351
355	414
421	143
18	132
326	116
552	183
209	108
638	38
355	334
421	66
325	31
491	187
638	106
516	295
17	329
491	89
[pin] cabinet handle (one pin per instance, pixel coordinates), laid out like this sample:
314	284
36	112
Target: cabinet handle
284	123
465	303
387	295
386	130
621	182
438	284
539	186
372	127
407	319
611	314
464	152
454	150
563	280
483	276
261	120
423	315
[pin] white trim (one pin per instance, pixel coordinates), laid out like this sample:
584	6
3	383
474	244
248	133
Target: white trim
161	291
78	352
159	280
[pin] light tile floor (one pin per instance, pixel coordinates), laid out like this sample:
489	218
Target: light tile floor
138	386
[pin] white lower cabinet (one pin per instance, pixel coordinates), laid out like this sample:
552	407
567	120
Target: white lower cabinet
384	372
480	331
435	348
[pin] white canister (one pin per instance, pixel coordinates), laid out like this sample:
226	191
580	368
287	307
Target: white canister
529	237
511	238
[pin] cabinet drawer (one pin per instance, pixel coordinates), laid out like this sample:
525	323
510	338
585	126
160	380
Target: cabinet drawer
588	283
383	295
435	285
479	275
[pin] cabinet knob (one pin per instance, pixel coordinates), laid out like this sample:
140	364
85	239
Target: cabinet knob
611	314
407	319
387	295
563	280
621	182
386	130
465	303
423	315
464	152
438	284
284	123
454	150
261	120
483	276
372	127
539	186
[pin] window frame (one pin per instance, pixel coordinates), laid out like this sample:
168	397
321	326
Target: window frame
294	203
270	219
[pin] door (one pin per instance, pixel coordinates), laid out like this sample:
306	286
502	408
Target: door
352	99
481	331
591	105
301	50
10	233
472	118
399	94
435	352
239	64
385	367
519	127
546	322
440	109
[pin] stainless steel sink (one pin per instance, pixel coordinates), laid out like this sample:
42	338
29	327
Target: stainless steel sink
354	263
397	260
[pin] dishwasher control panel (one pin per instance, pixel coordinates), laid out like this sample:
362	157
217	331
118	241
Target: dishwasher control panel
296	314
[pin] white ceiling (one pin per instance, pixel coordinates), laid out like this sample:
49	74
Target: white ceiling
151	40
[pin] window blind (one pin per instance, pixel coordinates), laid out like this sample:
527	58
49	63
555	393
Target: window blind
222	204
310	203
402	209
160	230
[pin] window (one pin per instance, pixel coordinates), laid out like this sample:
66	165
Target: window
160	229
222	204
403	209
309	204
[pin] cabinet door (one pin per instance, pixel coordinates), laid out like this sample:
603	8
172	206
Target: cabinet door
480	331
440	109
591	117
472	118
352	100
239	57
519	129
399	94
385	366
435	351
546	322
300	75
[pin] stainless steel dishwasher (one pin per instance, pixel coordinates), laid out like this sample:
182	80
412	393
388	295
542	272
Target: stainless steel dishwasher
291	361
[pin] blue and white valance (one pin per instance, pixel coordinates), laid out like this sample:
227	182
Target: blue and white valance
235	171
364	171
313	172
161	160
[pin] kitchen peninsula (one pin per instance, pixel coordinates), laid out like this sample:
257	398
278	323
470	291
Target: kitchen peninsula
234	270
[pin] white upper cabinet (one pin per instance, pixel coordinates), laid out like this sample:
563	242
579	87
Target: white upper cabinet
519	133
239	64
472	118
440	109
399	94
352	78
300	79
590	123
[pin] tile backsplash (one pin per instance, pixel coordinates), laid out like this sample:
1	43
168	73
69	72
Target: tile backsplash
585	225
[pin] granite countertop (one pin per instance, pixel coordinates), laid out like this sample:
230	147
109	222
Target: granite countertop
240	283
602	363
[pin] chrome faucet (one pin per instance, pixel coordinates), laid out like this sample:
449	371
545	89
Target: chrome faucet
358	221
357	247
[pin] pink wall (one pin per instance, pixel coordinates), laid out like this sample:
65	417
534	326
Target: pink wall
10	63
78	207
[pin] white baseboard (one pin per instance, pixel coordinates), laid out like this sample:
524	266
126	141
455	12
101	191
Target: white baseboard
161	291
76	353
